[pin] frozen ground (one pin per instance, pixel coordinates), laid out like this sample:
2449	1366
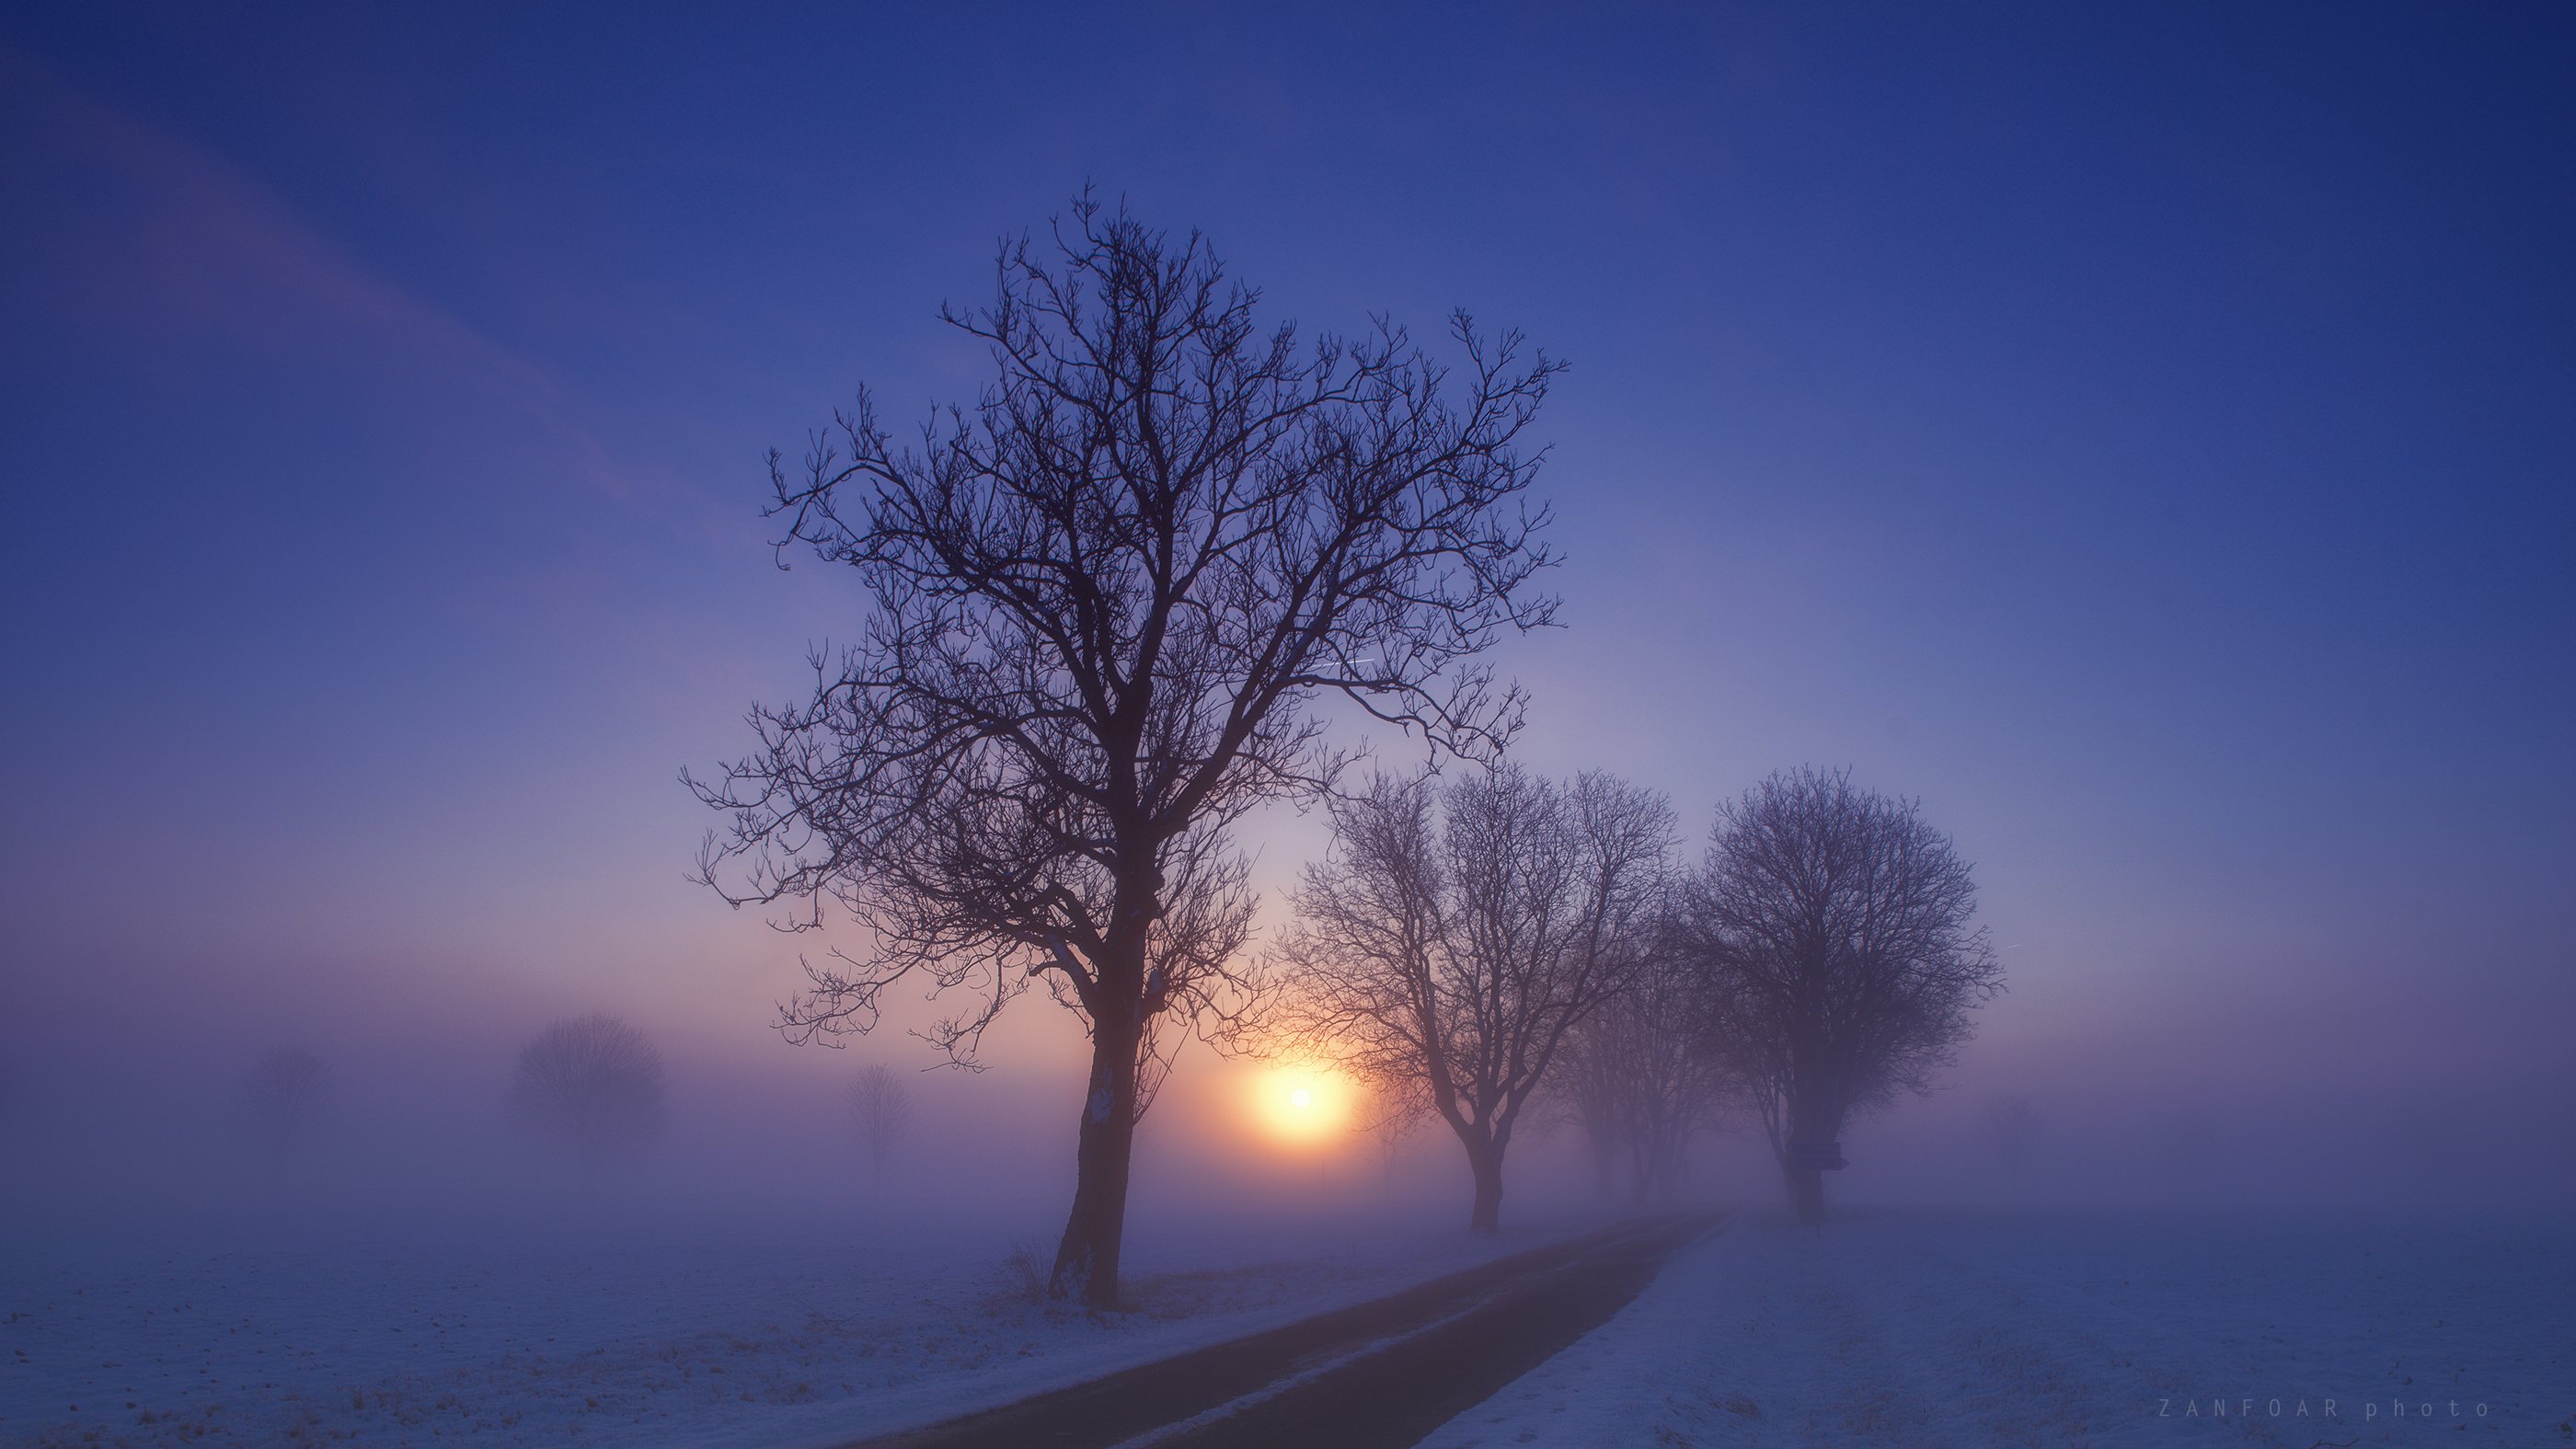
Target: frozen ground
1900	1328
1974	1329
714	1336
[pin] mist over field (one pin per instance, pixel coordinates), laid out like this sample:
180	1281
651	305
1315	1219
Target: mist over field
123	1101
2086	486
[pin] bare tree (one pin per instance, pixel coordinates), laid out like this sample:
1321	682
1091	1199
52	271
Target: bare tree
1394	1116
284	1096
592	1086
1832	923
1455	936
1587	1081
880	1110
1643	1077
1106	605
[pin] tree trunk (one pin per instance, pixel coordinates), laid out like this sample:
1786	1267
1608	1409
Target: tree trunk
1806	1195
1487	1163
1817	1118
1086	1262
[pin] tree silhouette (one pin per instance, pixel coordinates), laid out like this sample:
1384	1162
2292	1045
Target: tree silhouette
1832	923
1456	935
593	1087
1395	1114
1588	1084
880	1109
1105	607
284	1096
1642	1077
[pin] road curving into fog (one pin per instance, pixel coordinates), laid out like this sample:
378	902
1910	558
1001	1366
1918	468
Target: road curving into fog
1378	1375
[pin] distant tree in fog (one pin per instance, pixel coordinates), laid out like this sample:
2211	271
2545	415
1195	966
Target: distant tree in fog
1641	1076
1831	925
1456	935
284	1095
880	1109
1107	605
1586	1083
1394	1117
593	1087
2012	1131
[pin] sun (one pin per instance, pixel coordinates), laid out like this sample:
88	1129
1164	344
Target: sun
1302	1105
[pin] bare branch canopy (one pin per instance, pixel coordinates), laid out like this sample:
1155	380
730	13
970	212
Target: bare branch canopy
1834	927
1106	607
1457	935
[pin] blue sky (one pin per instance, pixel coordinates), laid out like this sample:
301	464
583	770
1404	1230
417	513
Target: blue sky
2144	433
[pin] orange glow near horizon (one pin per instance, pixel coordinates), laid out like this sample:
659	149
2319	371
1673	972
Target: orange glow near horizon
1303	1105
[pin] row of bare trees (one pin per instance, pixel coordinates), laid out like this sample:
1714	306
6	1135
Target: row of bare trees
1108	607
1470	947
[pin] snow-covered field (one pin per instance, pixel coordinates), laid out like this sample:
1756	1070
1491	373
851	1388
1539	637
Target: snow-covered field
720	1334
1971	1329
1959	1327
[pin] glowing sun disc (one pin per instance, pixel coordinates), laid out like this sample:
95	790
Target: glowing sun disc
1302	1105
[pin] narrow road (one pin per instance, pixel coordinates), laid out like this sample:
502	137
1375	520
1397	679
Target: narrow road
1379	1375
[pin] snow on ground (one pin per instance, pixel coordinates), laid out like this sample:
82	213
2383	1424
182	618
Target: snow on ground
716	1336
1973	1329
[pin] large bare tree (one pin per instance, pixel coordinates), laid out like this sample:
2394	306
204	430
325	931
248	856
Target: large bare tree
1106	606
1833	925
1456	934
